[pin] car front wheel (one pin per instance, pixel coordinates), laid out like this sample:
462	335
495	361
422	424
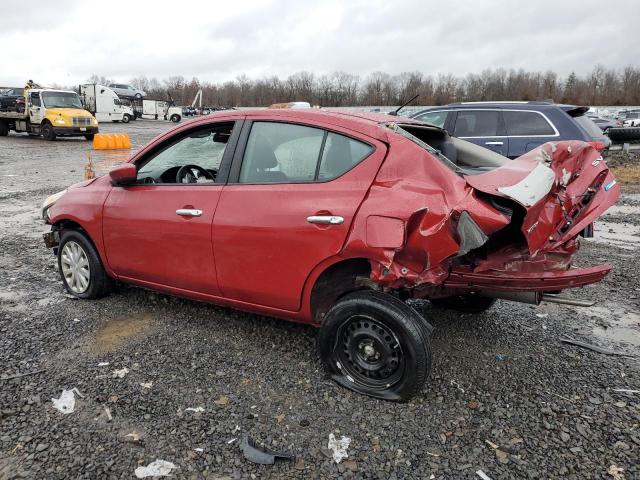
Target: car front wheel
80	267
375	344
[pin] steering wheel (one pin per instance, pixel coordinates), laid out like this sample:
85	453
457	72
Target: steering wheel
191	173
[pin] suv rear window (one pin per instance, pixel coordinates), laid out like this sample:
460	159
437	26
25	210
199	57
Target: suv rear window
477	123
526	123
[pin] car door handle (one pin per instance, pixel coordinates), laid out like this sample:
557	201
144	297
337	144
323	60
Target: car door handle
189	212
493	143
325	219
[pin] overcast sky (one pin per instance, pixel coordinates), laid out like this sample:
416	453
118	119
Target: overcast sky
65	41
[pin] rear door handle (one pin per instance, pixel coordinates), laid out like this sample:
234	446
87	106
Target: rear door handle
325	219
493	143
189	212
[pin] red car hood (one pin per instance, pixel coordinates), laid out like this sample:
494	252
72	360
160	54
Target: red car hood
562	186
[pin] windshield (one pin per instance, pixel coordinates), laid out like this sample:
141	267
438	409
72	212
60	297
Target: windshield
587	125
61	100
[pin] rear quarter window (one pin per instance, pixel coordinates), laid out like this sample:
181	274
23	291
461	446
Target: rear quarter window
588	126
527	124
477	123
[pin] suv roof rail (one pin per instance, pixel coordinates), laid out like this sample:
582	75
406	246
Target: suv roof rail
520	102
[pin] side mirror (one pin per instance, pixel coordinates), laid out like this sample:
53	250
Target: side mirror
124	174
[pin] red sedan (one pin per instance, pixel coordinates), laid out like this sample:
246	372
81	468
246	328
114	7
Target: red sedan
334	219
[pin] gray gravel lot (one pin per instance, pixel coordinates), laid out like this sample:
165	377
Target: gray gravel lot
505	396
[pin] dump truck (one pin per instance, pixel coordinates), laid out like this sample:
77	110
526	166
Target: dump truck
50	113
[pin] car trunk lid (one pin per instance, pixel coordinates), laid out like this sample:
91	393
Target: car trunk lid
563	187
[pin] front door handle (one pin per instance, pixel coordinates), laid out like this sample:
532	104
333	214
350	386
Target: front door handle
494	143
189	212
325	219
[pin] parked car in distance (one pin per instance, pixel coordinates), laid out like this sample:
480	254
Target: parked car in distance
605	123
632	119
9	96
334	219
514	128
127	91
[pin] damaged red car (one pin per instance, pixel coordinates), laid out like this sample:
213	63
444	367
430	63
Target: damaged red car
336	219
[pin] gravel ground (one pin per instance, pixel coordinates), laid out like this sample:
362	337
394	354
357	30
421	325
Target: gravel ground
504	396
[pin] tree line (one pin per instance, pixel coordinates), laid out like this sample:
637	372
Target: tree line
603	86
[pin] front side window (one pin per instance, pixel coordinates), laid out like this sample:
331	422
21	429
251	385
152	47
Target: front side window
434	118
203	149
477	123
287	153
35	99
526	124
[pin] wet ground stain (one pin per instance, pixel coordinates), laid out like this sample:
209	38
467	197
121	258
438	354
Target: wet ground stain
113	334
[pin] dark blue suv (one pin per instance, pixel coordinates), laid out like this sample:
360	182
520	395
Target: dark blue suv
513	128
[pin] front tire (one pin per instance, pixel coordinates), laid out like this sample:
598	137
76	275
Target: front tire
47	132
175	118
375	344
126	118
467	303
80	267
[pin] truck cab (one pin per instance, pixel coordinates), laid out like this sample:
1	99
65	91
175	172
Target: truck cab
50	113
103	103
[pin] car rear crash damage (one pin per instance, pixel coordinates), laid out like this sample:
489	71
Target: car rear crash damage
514	228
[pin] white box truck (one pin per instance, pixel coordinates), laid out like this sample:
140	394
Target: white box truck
157	109
104	104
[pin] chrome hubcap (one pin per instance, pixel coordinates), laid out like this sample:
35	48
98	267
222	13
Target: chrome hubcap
75	267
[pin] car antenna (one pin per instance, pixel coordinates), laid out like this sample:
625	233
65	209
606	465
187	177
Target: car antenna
395	112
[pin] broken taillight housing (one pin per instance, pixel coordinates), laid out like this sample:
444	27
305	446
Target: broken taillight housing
597	145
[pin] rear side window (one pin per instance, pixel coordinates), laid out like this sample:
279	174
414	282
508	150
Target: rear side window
477	123
341	154
526	124
287	153
434	118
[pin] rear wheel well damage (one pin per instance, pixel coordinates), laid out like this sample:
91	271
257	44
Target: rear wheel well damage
336	281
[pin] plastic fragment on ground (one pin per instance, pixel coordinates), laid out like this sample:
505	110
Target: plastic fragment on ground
260	454
194	409
67	401
157	468
120	373
338	447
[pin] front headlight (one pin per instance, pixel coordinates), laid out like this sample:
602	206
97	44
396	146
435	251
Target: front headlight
50	200
95	122
59	121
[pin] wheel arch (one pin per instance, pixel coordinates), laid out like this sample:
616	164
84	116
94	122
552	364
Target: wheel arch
333	279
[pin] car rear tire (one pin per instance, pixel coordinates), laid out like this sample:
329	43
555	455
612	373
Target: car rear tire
80	267
47	132
467	303
376	345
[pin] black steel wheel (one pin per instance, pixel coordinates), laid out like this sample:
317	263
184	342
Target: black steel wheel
47	131
375	344
467	303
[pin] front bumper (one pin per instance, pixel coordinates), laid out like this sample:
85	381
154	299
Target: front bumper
74	131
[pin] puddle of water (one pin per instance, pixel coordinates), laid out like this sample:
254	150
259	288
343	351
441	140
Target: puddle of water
117	331
618	325
621	235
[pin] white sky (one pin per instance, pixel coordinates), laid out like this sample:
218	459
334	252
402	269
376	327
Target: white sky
65	41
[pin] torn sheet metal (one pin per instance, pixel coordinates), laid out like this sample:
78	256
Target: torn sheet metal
552	192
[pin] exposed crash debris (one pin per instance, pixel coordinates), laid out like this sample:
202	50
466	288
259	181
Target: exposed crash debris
120	373
338	447
590	346
260	454
67	402
157	468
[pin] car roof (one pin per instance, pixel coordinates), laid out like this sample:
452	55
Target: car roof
367	123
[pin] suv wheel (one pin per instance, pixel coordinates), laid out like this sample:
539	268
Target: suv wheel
80	267
375	344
